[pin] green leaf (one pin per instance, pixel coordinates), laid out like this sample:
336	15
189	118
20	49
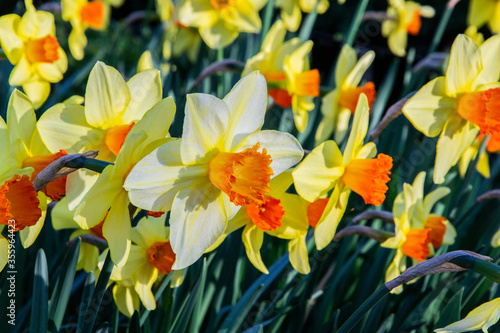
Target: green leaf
62	290
88	289
451	311
39	307
97	295
181	321
134	326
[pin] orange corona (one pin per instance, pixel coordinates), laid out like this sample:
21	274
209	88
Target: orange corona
349	96
161	255
44	49
268	215
115	137
19	202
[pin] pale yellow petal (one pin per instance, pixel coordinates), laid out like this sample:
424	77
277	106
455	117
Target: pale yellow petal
359	129
354	77
77	42
117	229
482	317
11	43
29	234
218	35
144	280
126	299
21	73
38	91
299	257
145	92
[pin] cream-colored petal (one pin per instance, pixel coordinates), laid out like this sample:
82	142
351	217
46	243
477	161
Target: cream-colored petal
284	149
155	180
205	122
247	103
319	171
491	69
464	65
197	220
145	92
78	183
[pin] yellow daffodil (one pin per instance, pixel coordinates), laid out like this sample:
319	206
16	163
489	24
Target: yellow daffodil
83	14
291	10
483	12
285	66
459	104
30	44
23	156
220	21
151	257
222	162
476	36
481	318
63	218
417	231
107	201
112	107
404	17
281	215
325	169
338	105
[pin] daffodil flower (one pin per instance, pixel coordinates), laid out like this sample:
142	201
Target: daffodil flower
459	104
112	107
338	105
23	156
30	44
83	14
222	162
151	256
326	168
220	21
286	68
483	12
291	10
469	155
404	18
107	201
417	231
281	215
481	318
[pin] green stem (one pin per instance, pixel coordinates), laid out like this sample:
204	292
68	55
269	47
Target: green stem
308	24
443	23
364	308
220	85
88	163
356	22
485	268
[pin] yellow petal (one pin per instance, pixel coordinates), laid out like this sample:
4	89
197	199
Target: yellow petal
345	63
342	124
356	73
29	234
274	38
299	257
430	108
145	61
458	134
482	317
89	255
483	165
126	299
143	282
252	238
21	73
21	118
319	171
245	16
145	92
77	42
38	91
62	217
4	252
106	97
463	67
64	126
495	241
78	183
117	229
197	13
491	69
218	35
397	41
46	25
359	129
290	14
11	43
329	221
480	12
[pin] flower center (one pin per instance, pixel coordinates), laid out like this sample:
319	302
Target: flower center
482	108
268	215
244	176
43	49
349	96
222	4
306	83
413	27
97	230
115	137
315	210
161	255
417	242
19	202
92	14
155	214
368	178
55	189
438	229
281	97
